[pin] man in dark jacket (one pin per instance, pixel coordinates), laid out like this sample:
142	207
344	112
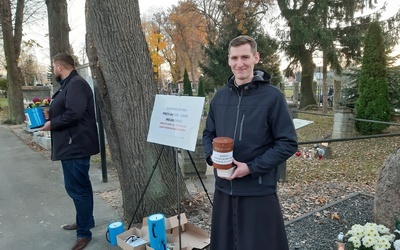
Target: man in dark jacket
74	139
246	212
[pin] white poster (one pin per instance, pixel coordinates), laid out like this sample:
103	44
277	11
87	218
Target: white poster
175	121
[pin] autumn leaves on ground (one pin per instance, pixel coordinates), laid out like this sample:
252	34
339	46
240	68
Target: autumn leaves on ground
353	168
352	161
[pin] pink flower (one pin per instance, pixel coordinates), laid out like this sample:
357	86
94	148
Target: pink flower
36	100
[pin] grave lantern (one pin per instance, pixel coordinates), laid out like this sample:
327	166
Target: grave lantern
340	244
298	154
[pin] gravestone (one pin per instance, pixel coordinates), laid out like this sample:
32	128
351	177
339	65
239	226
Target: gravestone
293	110
186	164
343	125
387	193
31	92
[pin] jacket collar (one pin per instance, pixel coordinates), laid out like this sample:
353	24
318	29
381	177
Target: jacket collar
64	82
259	77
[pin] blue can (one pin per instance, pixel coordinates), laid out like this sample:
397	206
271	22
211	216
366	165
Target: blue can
35	117
114	229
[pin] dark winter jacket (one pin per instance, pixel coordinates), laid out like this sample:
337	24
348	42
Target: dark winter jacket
256	116
73	123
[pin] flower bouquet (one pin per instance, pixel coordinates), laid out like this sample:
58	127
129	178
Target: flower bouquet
372	237
37	102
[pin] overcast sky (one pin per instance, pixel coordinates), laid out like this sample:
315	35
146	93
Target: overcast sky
146	5
77	23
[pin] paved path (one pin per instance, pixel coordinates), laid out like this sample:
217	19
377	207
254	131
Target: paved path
34	204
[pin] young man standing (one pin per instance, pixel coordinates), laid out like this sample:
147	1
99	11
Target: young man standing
246	212
74	139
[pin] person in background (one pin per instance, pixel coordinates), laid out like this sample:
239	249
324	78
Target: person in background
330	92
246	211
74	138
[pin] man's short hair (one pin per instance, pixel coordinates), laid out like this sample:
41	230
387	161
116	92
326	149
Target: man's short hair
65	59
241	40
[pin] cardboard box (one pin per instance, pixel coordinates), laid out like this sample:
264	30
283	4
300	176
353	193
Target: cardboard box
123	236
191	236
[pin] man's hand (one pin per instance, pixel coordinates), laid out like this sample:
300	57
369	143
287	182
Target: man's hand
46	114
46	127
241	170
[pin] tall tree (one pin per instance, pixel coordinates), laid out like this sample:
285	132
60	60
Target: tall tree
373	101
321	25
125	91
58	30
29	67
201	91
12	38
13	15
170	52
188	35
156	43
187	86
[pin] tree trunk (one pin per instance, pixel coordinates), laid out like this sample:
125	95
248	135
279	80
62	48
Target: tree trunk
12	37
324	83
121	67
307	96
192	72
58	31
337	86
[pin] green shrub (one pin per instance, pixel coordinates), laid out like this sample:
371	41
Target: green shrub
201	91
187	87
373	101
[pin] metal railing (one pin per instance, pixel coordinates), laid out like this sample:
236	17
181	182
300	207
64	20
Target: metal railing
349	139
373	121
312	113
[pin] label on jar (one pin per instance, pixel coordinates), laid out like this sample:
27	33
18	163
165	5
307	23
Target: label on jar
222	158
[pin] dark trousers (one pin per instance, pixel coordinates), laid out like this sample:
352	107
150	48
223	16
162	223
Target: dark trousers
79	188
247	223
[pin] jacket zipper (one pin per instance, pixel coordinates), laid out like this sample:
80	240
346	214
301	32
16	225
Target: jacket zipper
240	94
237	115
241	128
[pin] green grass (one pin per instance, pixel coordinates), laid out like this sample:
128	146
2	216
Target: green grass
3	102
3	109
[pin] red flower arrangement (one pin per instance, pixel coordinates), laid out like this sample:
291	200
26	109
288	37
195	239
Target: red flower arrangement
37	102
